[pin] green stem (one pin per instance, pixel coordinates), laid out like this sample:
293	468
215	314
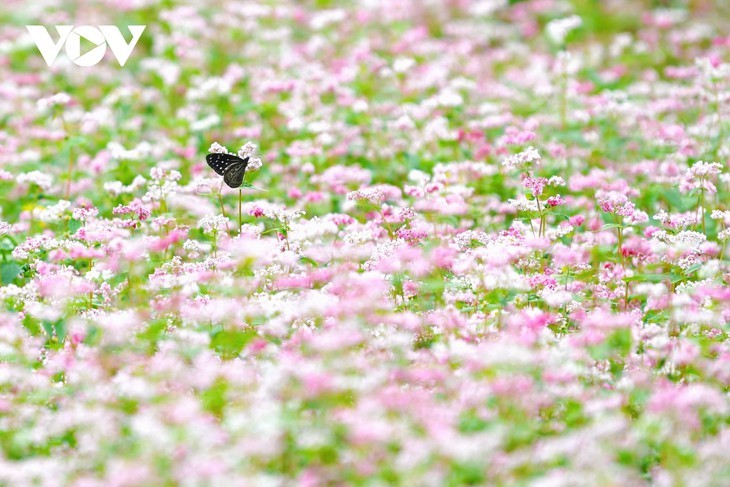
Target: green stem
621	245
223	211
391	234
700	209
70	172
215	244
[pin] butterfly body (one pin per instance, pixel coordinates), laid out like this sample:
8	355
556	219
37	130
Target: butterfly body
230	166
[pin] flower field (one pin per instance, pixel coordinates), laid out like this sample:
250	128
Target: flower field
478	242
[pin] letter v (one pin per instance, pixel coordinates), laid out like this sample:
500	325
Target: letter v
45	44
115	40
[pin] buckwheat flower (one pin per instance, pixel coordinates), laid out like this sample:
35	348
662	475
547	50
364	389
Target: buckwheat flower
118	152
250	231
468	239
712	71
4	228
52	213
704	169
449	98
403	123
42	180
384	251
216	148
249	150
700	176
285	215
193	248
523	204
84	214
611	201
556	181
116	188
59	99
689	238
632	215
163	184
527	156
403	64
373	195
438	129
677	220
535	185
135	207
213	223
721	215
516	136
376	194
559	29
205	123
556	200
159	174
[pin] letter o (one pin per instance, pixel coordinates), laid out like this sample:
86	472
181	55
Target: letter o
73	45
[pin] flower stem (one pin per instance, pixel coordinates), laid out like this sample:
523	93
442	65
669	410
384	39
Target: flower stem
621	246
223	210
701	210
70	172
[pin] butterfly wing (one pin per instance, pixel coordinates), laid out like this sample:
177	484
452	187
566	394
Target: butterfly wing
233	176
221	162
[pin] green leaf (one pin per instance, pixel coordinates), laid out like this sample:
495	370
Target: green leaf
612	225
74	225
229	343
60	327
246	184
9	271
308	260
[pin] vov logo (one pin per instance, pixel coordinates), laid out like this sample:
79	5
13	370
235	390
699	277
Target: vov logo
70	36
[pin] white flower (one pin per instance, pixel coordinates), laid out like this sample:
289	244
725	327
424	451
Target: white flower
116	188
703	169
43	181
249	150
52	213
403	64
556	181
558	29
213	223
216	148
528	155
205	123
59	99
523	204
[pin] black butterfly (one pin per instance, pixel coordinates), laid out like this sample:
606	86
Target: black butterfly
230	166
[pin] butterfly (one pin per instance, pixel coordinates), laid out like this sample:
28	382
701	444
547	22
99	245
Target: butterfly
230	166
